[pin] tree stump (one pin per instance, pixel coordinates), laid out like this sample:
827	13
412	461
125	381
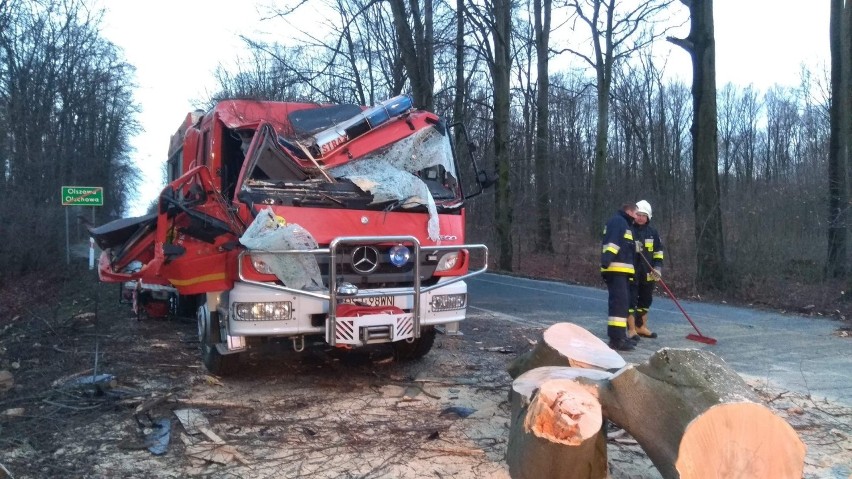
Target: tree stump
696	418
556	425
566	344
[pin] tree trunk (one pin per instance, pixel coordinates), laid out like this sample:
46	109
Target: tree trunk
692	415
417	49
837	146
556	426
709	240
501	68
461	93
696	418
603	63
566	344
542	136
600	168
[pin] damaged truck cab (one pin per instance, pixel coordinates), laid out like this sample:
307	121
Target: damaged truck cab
307	223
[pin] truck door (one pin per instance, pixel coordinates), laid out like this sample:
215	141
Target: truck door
196	235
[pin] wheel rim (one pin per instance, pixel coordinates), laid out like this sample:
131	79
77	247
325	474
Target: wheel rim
203	325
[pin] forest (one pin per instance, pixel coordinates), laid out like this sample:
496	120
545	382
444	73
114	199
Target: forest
749	187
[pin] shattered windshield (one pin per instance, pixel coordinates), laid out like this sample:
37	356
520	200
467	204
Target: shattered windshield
417	171
412	172
401	171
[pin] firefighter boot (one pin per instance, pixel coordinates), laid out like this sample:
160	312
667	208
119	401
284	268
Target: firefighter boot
618	339
632	334
642	326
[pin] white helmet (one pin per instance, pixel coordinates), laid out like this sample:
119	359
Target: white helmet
643	206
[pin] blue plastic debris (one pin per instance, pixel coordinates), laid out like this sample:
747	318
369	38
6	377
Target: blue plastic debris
158	439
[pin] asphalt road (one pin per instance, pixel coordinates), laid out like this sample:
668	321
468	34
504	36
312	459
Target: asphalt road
796	353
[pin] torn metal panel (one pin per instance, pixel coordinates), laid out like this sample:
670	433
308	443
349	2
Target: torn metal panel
121	230
192	420
268	233
247	114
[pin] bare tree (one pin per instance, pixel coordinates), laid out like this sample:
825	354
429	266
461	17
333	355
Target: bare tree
839	141
66	114
417	46
541	23
617	31
493	23
709	240
782	121
572	123
500	69
356	58
460	96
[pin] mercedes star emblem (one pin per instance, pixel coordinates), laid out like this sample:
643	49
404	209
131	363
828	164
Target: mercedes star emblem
365	259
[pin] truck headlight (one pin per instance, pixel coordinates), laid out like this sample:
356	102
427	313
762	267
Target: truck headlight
448	302
260	266
269	311
448	261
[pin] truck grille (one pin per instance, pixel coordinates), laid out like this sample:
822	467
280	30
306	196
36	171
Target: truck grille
369	265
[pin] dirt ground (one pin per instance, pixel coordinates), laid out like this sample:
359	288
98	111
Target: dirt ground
317	414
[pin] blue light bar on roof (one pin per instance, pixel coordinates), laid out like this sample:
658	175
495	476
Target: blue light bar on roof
330	138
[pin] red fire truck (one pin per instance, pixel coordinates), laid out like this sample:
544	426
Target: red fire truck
306	223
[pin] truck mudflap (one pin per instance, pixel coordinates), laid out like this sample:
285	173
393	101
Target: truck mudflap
346	326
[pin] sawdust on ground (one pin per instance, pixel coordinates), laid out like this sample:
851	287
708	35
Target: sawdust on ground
318	414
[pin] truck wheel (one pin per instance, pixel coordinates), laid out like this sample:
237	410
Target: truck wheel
208	336
405	351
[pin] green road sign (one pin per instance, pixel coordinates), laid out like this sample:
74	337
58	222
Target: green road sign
82	196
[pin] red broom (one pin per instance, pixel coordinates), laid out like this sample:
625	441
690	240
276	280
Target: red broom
693	337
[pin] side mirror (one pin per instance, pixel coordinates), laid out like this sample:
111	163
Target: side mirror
485	179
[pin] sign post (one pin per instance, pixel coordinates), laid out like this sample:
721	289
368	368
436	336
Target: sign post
81	196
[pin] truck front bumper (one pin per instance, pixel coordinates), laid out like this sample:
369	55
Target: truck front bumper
309	315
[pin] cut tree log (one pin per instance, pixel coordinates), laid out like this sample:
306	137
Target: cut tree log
696	418
566	344
556	425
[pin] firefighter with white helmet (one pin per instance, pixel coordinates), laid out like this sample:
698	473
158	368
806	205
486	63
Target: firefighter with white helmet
648	266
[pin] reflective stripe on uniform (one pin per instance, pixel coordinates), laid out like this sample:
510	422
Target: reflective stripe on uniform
649	244
619	268
611	248
658	255
628	235
617	322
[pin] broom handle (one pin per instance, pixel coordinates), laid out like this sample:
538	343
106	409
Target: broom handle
660	280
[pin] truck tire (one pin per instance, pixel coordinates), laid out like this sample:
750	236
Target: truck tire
405	351
208	337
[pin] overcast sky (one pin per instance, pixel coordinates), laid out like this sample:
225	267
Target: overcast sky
176	45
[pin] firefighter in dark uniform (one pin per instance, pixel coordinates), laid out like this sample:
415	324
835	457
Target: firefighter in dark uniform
617	254
649	268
